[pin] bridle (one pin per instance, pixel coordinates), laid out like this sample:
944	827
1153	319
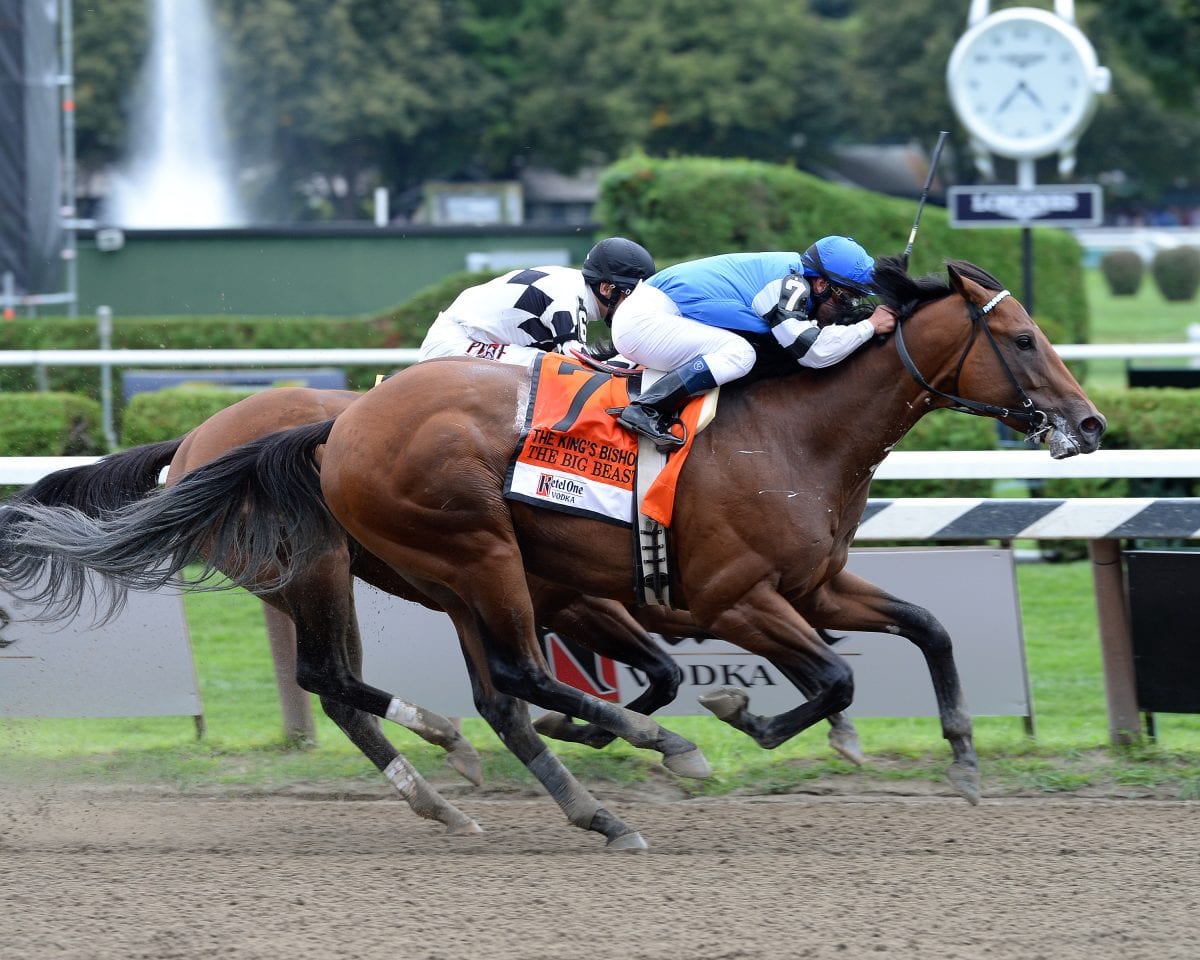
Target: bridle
1036	421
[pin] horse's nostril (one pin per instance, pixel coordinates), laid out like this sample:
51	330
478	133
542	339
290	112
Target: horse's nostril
1092	425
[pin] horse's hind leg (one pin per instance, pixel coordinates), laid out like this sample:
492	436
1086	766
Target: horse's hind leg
328	663
606	628
519	669
509	717
848	602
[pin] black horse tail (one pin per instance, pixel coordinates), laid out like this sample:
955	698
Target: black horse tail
96	489
101	487
255	514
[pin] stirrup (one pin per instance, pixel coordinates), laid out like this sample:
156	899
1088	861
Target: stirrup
652	427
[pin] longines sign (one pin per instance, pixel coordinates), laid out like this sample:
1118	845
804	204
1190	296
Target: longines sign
1065	205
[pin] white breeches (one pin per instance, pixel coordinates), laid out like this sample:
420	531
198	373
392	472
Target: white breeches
649	329
447	337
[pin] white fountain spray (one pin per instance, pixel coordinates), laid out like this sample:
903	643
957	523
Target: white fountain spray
178	173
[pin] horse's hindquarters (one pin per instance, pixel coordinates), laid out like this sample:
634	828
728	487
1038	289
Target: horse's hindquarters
413	469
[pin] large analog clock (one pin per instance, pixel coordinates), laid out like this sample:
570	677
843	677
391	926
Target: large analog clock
1024	82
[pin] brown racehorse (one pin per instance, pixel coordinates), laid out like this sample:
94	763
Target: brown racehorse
766	508
320	602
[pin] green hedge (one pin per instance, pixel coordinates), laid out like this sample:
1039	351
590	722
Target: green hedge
694	206
403	326
175	333
172	412
409	322
1122	271
49	425
1176	272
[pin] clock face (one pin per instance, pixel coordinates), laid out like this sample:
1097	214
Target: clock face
1022	82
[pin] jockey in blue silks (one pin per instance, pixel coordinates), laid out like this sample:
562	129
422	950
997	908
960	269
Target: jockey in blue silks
688	320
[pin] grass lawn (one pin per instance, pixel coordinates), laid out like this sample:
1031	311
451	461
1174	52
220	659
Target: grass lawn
1143	318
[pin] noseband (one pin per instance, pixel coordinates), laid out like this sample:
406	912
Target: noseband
1036	422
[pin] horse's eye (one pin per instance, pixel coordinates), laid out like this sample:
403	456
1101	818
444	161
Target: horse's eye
1024	342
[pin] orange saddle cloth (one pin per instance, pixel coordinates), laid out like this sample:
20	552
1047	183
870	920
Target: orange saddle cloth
572	456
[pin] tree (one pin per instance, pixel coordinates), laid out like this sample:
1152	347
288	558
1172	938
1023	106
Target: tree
687	76
332	97
359	89
1161	40
110	41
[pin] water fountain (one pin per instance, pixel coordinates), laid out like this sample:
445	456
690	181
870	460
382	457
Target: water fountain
178	172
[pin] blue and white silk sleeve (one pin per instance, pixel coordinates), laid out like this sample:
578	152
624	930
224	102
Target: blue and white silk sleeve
834	343
783	304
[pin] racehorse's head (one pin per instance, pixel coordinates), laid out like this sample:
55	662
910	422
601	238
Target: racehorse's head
1016	366
990	357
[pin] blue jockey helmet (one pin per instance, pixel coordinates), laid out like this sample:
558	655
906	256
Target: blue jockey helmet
841	261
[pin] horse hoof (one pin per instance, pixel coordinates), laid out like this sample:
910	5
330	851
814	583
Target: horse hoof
464	828
847	745
965	779
690	763
629	841
724	702
465	760
552	724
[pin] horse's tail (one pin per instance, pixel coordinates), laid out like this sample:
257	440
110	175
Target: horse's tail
96	489
101	487
255	514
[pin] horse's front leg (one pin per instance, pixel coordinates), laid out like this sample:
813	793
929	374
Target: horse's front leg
679	624
848	602
764	623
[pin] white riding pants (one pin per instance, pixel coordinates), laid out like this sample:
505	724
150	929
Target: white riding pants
447	337
649	329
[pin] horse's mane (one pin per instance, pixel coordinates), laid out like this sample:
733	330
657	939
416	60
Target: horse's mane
905	293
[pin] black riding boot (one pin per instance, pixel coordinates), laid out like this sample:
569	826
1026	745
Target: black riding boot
654	411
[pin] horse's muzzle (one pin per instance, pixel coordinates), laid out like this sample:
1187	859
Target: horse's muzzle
1067	440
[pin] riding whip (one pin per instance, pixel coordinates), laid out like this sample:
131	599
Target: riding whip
933	164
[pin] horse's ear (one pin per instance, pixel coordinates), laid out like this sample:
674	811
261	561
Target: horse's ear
967	288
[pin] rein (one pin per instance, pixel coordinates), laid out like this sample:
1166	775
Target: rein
1035	420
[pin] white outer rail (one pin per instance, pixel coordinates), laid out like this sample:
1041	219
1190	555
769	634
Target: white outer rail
917	465
200	358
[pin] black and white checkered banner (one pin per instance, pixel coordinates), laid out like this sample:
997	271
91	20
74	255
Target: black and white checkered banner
981	519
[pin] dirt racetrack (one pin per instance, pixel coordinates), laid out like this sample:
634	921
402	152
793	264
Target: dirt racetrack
104	875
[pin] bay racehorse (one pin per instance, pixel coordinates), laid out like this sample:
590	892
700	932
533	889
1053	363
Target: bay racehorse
320	602
766	507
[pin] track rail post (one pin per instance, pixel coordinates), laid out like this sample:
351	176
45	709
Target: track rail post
294	702
1116	645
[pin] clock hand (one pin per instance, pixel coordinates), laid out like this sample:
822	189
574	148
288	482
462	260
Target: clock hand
1022	85
1009	99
